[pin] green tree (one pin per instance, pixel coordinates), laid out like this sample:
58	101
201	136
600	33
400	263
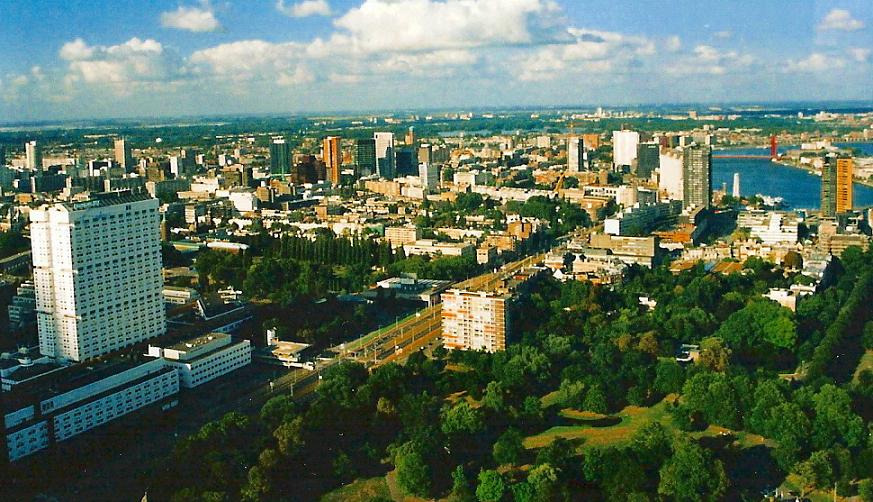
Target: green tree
413	473
461	419
509	448
692	474
835	422
491	486
816	471
865	490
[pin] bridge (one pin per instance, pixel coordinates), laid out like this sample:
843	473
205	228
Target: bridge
774	153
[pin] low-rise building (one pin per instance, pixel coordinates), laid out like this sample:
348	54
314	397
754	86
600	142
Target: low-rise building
429	247
770	227
205	357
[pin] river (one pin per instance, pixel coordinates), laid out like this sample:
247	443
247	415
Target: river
799	188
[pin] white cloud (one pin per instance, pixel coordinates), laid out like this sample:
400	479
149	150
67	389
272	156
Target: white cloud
673	43
76	50
428	25
859	54
724	34
815	63
196	19
300	75
708	60
840	19
304	8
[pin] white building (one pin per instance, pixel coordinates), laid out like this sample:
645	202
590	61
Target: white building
385	160
624	147
33	154
670	175
771	227
97	272
429	247
205	357
575	155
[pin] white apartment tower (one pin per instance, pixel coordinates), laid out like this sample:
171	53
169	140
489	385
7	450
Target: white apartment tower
97	273
385	160
475	320
33	153
575	155
624	147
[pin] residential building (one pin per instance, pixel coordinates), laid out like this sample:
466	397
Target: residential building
770	227
430	176
836	185
124	154
22	307
399	236
33	153
640	219
475	320
205	357
575	155
697	176
648	159
670	175
97	272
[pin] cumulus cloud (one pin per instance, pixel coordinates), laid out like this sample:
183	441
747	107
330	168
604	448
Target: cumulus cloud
723	34
673	43
708	60
814	63
840	19
305	8
196	19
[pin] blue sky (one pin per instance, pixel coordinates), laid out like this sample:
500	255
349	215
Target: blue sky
121	58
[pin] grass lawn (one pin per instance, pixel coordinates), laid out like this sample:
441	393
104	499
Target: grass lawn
866	363
361	490
632	419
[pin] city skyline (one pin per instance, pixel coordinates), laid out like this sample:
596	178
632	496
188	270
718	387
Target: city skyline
199	58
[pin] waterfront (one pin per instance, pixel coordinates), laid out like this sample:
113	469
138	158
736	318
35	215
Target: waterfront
800	189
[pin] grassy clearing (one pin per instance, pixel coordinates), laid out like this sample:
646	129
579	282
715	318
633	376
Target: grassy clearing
361	490
866	363
632	419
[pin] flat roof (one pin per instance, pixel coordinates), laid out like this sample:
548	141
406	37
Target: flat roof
188	344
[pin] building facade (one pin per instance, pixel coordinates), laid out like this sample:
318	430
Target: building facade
697	176
332	156
575	155
385	156
280	157
97	273
624	147
475	320
365	157
836	185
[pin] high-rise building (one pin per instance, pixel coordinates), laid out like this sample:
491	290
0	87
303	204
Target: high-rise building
385	157
2	155
365	157
648	159
624	147
475	320
736	189
280	157
34	155
836	185
332	156
430	175
404	163
97	272
670	174
697	176
575	155
410	137
425	154
123	154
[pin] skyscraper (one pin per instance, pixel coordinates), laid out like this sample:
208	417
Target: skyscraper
385	161
34	155
624	147
2	155
575	155
332	156
365	157
736	190
697	176
425	153
648	159
836	185
410	137
430	175
123	155
280	157
97	272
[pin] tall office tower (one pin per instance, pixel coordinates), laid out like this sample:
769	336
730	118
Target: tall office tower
425	154
2	155
575	155
836	185
365	157
648	159
736	190
430	175
34	155
475	320
123	155
697	176
332	156
280	157
97	271
189	161
385	162
624	147
410	137
404	163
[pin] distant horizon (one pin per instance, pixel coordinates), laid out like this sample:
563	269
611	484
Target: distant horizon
103	59
773	106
